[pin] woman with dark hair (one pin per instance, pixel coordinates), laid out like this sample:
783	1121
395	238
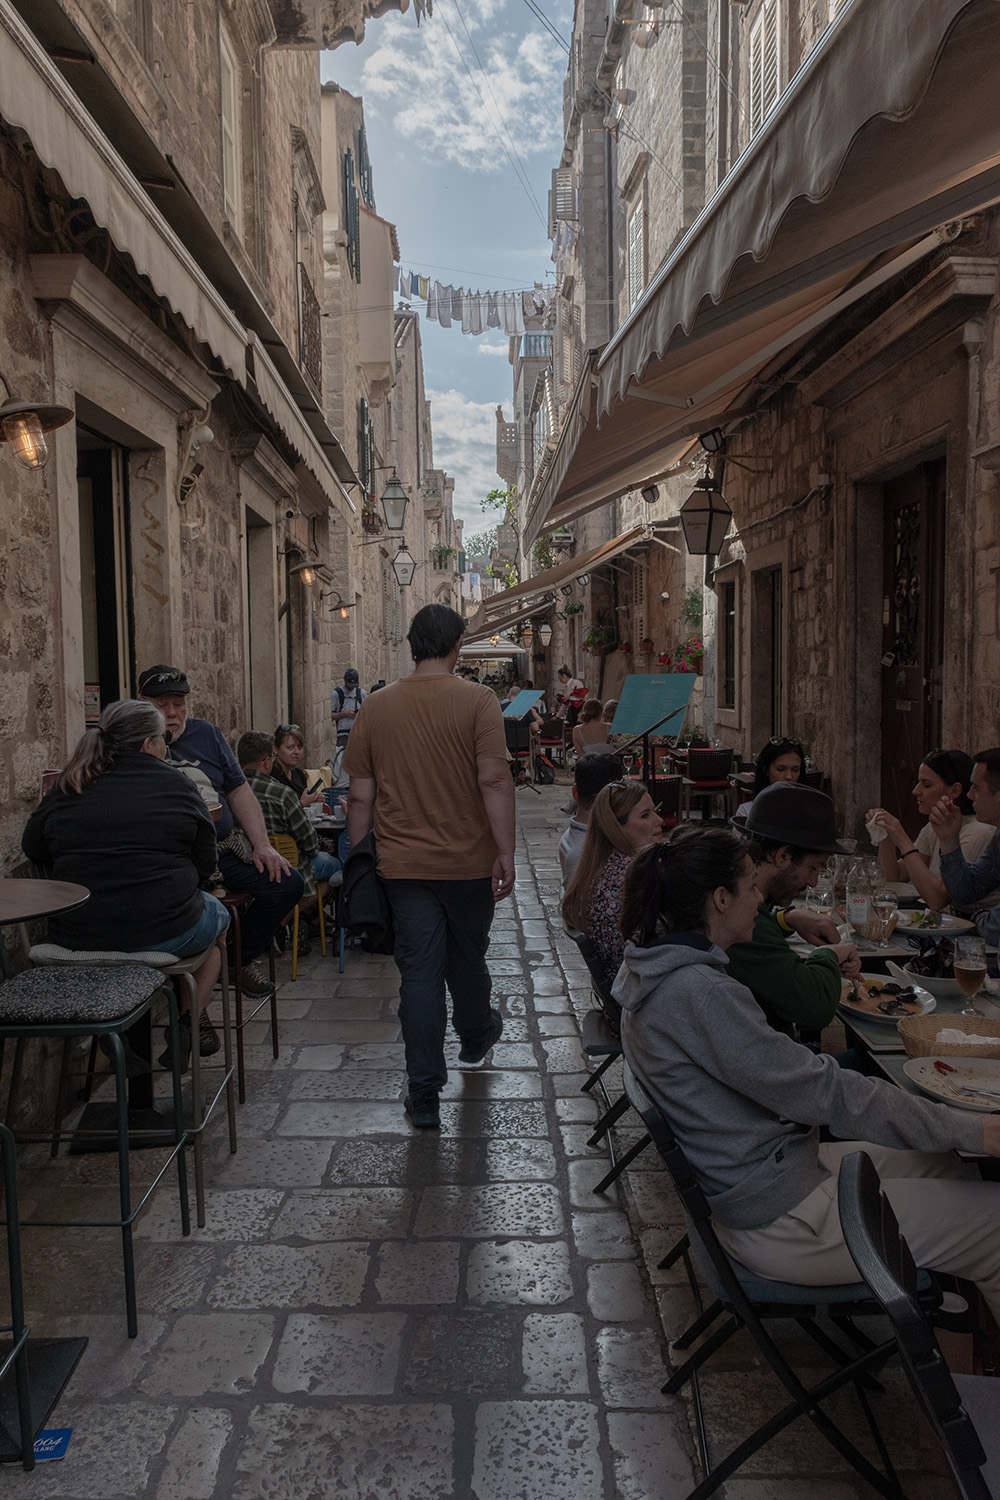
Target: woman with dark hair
136	832
780	760
289	747
590	728
746	1102
623	820
942	773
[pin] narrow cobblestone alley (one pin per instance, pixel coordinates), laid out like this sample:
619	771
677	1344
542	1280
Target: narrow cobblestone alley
376	1312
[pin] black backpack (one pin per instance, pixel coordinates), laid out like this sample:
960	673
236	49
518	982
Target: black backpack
545	771
364	905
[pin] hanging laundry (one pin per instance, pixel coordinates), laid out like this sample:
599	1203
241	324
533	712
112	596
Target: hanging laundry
518	300
444	296
395	278
432	302
414	284
457	293
493	311
423	288
466	311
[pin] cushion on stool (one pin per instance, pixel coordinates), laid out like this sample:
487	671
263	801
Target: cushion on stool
74	995
51	953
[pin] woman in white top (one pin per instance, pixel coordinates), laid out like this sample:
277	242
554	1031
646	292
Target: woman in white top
943	773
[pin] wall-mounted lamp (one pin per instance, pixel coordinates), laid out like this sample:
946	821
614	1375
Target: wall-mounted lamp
713	441
566	590
494	640
545	633
705	517
394	502
583	580
340	606
403	566
304	570
650	494
527	636
24	425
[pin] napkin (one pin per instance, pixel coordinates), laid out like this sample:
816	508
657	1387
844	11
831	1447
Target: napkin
950	1036
875	833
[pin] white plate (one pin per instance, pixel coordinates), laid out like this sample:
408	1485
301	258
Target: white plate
978	1070
948	926
927	1004
944	989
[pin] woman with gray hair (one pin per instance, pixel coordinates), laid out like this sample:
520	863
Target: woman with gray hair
135	831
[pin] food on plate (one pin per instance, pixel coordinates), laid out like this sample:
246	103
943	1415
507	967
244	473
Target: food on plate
922	919
883	996
934	959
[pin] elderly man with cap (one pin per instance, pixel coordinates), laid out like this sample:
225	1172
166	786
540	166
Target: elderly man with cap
247	860
792	833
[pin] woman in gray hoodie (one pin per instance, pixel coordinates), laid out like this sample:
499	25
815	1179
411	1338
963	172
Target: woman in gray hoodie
746	1102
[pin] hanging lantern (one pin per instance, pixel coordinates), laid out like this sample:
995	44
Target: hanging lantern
403	566
394	503
545	633
24	425
705	518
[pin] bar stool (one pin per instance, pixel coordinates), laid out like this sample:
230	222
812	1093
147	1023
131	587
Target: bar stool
78	1001
17	1359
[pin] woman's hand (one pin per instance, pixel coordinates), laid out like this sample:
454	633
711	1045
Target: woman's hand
308	798
892	826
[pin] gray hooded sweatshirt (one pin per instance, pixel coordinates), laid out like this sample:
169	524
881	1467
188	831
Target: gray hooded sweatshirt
746	1102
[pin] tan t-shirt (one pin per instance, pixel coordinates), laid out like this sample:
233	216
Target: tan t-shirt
419	740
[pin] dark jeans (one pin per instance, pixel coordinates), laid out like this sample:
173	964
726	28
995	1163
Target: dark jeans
442	934
272	900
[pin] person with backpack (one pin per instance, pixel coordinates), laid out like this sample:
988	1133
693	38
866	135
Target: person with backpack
344	705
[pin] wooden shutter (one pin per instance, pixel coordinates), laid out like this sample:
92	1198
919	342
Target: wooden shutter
764	66
636	257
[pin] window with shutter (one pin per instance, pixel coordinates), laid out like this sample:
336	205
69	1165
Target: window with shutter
636	255
365	170
231	97
352	217
764	55
562	198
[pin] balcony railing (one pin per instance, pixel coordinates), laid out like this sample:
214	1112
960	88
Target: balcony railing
310	330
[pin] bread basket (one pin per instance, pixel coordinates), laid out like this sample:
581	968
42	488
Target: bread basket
919	1036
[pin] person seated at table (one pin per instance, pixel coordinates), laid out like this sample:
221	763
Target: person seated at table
247	861
942	773
781	759
283	813
971	883
590	730
747	1103
623	820
289	747
139	836
572	694
592	773
792	833
533	718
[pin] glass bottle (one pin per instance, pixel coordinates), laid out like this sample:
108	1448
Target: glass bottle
859	900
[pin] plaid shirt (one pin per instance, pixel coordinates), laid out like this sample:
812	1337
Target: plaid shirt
284	813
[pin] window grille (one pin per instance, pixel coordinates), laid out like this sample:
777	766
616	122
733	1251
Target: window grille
636	255
764	53
310	329
536	346
365	170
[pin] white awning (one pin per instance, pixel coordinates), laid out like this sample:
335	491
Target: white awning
35	97
889	129
275	395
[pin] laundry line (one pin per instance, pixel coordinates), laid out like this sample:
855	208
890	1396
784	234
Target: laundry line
474	312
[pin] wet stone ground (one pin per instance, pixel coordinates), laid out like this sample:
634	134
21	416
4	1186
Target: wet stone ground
377	1313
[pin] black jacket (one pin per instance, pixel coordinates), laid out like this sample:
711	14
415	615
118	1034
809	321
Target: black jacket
141	840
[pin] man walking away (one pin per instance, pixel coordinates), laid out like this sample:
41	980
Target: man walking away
427	762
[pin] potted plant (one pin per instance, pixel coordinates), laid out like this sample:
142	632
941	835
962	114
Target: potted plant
692	607
598	637
576	608
625	647
646	646
441	555
689	655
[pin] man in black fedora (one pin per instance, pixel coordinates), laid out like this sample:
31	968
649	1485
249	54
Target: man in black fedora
792	833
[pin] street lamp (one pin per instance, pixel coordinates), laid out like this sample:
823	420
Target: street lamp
705	518
394	502
24	425
304	570
545	633
527	636
403	566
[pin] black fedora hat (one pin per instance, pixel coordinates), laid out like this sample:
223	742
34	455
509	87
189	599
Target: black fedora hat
791	814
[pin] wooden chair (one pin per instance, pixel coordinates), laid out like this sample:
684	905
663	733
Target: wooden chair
289	849
707	777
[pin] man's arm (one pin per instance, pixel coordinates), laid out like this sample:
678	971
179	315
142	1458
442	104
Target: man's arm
803	991
246	810
496	787
360	807
967	883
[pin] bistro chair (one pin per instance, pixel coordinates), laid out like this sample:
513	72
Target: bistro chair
236	902
103	1001
748	1302
668	791
289	850
963	1410
707	776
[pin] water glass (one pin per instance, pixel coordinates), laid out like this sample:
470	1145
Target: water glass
970	969
886	904
821	899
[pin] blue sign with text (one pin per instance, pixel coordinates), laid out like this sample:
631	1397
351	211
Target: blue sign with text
52	1443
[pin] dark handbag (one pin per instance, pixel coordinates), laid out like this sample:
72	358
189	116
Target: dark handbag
364	905
545	771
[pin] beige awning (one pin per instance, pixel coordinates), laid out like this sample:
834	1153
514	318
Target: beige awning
543	583
35	97
889	129
276	397
481	629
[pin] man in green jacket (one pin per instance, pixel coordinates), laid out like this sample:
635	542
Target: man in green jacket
792	833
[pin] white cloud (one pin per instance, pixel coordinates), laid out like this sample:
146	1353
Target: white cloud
423	78
497	349
465	444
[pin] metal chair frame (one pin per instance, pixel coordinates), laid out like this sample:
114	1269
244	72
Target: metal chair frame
289	850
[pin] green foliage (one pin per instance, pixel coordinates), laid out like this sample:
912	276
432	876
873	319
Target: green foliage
693	607
600	635
501	500
543	552
483	544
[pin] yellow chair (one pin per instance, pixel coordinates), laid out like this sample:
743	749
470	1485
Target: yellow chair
289	849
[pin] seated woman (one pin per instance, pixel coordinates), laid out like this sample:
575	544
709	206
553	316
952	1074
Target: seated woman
590	728
780	760
135	831
623	820
571	695
942	773
746	1102
289	747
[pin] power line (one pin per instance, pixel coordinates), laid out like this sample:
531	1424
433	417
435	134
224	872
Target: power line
711	59
496	101
526	186
541	16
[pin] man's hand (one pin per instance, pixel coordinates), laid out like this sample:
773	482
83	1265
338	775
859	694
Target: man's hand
812	927
267	858
848	958
503	876
946	820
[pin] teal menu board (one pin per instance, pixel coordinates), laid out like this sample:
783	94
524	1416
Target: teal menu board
644	699
519	706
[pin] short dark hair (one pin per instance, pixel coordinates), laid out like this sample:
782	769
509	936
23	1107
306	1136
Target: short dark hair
434	632
991	760
667	885
760	849
954	766
592	773
253	747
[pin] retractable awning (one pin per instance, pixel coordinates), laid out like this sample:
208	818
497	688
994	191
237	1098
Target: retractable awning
482	629
889	129
583	562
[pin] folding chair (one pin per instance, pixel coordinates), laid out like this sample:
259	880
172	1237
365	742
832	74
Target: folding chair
748	1301
963	1410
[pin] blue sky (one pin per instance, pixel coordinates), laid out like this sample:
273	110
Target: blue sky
443	125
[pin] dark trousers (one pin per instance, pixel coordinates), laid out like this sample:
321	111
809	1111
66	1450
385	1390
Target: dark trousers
272	900
442	932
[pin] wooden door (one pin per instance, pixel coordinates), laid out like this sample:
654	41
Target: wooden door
912	632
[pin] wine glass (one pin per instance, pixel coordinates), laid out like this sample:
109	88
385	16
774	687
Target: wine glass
628	761
886	904
821	899
970	969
